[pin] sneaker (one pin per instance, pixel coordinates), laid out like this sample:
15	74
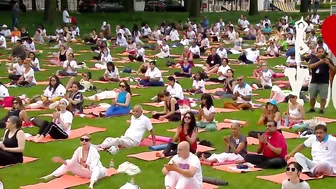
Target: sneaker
321	112
311	111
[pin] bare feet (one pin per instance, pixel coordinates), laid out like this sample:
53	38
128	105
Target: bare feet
39	139
159	154
91	185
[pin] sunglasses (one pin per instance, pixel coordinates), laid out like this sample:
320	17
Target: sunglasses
84	139
123	86
239	79
269	125
187	117
291	169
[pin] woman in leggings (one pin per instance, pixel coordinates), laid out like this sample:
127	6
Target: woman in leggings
171	109
60	126
187	131
13	144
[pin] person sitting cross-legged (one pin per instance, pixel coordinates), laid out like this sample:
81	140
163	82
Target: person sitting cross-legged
207	113
235	148
242	95
133	135
323	149
184	170
153	76
171	109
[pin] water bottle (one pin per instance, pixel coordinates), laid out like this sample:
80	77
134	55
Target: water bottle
132	181
111	164
286	121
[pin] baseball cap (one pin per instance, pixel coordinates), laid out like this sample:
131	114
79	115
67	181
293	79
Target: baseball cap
272	101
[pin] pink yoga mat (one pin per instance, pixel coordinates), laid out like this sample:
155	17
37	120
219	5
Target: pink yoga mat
161	138
279	178
233	121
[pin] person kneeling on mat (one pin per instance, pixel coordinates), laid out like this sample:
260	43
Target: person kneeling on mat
184	170
133	135
235	145
85	163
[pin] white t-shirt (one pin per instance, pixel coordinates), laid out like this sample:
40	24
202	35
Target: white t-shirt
66	117
73	64
19	69
3	91
146	31
59	31
138	127
59	92
122	41
107	58
156	34
30	74
266	78
191	35
36	61
290	60
3	40
176	91
288	185
323	151
246	90
65	15
191	161
280	94
30	46
223	69
174	35
208	112
154	73
199	85
222	53
252	55
244	23
165	49
195	50
184	42
140	52
114	74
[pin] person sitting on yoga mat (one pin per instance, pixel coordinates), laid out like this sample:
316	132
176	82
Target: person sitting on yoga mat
185	69
174	88
273	147
52	93
85	83
111	73
206	113
277	94
323	149
85	163
212	63
187	131
17	110
184	170
153	76
13	144
69	66
222	71
28	77
293	172
249	55
76	99
121	104
198	85
171	109
134	134
17	68
295	112
242	95
229	84
264	78
235	148
59	127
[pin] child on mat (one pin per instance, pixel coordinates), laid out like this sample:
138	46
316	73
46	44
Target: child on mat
206	113
198	85
293	172
85	162
235	148
111	73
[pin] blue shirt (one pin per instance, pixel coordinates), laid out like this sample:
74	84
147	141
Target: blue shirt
122	98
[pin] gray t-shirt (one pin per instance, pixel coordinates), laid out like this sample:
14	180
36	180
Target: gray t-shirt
301	185
236	142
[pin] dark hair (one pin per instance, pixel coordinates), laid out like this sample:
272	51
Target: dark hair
127	86
321	127
77	84
89	75
19	101
33	54
297	166
192	124
272	121
208	101
16	121
153	62
135	30
58	82
171	78
163	94
109	64
231	71
200	73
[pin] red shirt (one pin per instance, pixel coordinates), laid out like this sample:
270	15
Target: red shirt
183	138
278	141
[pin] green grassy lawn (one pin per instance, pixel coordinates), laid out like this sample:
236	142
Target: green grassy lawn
150	177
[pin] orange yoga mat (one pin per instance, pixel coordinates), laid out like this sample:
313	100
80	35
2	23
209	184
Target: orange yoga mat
155	104
252	141
212	83
209	186
138	87
42	83
146	156
25	160
279	178
199	130
281	82
28	109
289	135
66	181
326	120
223	125
74	133
149	142
231	168
201	148
218	164
224	110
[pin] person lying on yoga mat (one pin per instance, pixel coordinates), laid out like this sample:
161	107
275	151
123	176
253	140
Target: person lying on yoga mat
323	149
187	131
235	148
272	149
121	104
171	109
242	96
52	93
295	112
206	113
293	172
17	110
153	76
229	84
85	163
59	127
184	170
13	143
277	94
133	135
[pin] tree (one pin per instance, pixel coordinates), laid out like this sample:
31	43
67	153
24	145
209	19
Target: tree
304	6
64	4
34	5
129	5
49	11
187	4
195	9
253	7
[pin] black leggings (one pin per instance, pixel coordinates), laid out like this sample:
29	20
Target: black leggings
266	163
7	158
171	149
174	117
53	130
14	78
254	134
3	122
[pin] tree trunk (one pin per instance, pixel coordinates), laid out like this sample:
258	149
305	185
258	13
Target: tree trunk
64	5
253	7
129	5
46	8
195	9
34	5
304	6
187	4
49	11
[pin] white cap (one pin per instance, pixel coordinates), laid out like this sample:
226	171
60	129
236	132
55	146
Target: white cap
104	23
4	26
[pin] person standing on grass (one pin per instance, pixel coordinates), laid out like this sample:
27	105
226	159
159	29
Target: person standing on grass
15	14
66	17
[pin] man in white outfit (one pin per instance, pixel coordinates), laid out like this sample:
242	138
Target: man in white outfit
184	170
323	150
134	134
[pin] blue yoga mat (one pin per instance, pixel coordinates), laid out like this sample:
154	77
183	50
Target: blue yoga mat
158	147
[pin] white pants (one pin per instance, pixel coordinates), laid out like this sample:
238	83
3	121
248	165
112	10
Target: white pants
14	39
162	55
104	95
101	66
36	105
77	169
123	141
176	181
223	157
320	168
